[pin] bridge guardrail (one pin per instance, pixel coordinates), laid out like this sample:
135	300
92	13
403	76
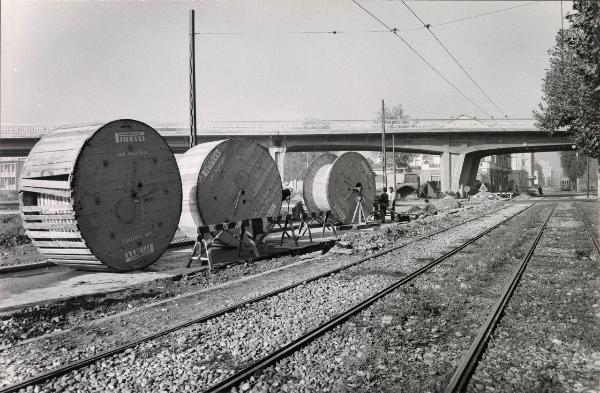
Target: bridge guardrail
37	130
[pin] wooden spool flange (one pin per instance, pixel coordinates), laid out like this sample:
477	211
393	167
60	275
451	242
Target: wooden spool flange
101	194
331	184
226	181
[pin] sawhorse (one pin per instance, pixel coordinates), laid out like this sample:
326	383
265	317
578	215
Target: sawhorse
252	231
324	219
285	229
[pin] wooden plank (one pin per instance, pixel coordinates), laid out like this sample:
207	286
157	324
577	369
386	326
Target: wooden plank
47	208
75	262
66	194
66	251
51	158
51	225
51	143
59	185
58	243
41	171
87	258
53	235
39	217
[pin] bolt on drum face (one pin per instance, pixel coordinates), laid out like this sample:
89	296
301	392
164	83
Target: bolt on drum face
125	194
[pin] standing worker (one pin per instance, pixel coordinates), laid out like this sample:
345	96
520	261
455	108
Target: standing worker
383	204
391	198
540	191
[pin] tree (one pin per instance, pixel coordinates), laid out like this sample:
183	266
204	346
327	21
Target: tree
395	117
296	165
573	167
571	87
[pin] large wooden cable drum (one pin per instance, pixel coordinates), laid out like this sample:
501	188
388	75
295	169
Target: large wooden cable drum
227	181
330	183
307	186
101	194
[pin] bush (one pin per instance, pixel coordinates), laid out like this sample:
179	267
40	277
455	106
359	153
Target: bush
12	232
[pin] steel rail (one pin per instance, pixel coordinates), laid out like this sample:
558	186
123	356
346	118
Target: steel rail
76	365
460	380
589	228
308	337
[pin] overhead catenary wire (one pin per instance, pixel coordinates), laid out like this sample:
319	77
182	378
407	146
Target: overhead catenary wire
422	58
427	26
334	32
316	32
485	14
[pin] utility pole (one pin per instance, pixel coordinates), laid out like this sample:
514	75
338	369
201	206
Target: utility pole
531	170
383	144
394	158
577	179
193	127
588	175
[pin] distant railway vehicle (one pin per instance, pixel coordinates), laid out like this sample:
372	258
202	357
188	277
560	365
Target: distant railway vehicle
565	184
103	194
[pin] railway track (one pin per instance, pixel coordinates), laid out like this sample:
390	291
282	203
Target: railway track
51	374
462	375
588	226
555	303
245	373
240	376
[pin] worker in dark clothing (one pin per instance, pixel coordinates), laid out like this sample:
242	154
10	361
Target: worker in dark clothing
384	202
540	191
298	211
428	209
286	195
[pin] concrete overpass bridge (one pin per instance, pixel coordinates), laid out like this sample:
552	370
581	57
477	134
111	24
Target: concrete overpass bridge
461	142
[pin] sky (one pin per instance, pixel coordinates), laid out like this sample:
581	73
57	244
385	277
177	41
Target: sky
74	61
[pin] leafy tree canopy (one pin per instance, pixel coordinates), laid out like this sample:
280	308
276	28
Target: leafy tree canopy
573	167
571	88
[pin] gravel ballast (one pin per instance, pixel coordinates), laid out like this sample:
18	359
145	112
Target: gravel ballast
549	338
35	321
201	355
412	339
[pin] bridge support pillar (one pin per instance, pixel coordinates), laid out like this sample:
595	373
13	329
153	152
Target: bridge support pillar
458	170
278	154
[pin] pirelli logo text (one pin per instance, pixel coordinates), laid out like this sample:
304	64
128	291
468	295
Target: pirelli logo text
128	137
139	252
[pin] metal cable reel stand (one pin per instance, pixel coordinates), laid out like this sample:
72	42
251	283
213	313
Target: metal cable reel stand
359	212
